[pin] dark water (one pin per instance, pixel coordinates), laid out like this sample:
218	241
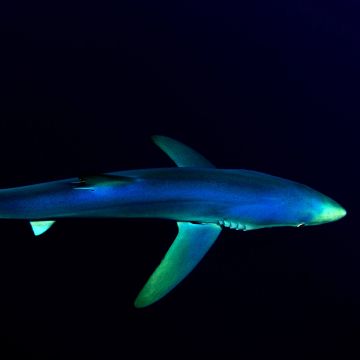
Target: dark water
268	86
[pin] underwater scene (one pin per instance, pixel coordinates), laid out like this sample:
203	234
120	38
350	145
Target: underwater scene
179	179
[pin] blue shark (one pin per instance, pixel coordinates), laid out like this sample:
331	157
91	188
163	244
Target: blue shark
199	197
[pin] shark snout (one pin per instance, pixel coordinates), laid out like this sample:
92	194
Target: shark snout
331	211
337	212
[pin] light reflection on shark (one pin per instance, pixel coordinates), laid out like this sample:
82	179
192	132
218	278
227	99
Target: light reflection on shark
201	198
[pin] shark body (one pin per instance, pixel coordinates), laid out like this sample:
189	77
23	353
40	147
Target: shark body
201	198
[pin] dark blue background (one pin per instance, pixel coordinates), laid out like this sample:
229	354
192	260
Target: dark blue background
266	85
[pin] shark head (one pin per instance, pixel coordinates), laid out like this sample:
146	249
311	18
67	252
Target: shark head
320	210
274	202
310	207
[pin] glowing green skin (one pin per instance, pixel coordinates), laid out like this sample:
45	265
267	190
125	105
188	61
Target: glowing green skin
190	246
196	192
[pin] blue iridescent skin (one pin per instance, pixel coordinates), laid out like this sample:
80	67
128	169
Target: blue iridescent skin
250	199
201	198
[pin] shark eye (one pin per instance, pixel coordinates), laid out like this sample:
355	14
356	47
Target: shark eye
300	225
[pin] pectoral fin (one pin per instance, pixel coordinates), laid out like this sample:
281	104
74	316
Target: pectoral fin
189	247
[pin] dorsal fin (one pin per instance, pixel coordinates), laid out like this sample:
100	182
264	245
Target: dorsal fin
91	182
181	154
